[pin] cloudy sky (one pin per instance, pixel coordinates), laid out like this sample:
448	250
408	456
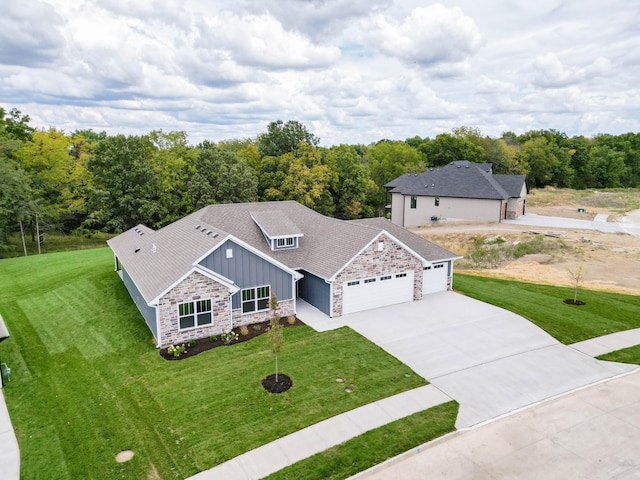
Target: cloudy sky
353	71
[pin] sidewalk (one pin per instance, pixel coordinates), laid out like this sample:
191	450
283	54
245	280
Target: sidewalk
9	452
608	343
285	451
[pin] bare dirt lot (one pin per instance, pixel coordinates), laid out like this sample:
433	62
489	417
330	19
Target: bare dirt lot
543	255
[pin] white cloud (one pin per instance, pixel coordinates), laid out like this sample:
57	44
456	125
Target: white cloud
550	72
29	32
356	70
428	36
262	41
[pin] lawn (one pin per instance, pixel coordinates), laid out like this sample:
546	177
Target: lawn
603	313
374	446
87	382
626	355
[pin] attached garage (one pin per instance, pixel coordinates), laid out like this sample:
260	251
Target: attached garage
434	278
373	292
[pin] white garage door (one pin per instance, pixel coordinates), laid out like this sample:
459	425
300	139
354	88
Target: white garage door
375	292
435	278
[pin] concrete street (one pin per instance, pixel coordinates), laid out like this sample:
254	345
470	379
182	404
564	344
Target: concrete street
590	434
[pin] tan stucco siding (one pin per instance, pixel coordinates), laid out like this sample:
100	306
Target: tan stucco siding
449	208
397	209
515	206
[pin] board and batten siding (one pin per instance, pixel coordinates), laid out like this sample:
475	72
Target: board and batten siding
246	269
148	313
315	291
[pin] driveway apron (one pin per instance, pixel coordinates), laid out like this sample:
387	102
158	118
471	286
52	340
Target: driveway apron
488	359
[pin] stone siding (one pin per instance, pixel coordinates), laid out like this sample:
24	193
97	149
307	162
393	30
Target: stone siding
195	287
285	308
373	263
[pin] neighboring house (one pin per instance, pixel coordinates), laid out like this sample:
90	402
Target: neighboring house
460	190
218	267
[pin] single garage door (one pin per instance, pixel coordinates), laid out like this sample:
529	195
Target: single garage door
374	292
435	278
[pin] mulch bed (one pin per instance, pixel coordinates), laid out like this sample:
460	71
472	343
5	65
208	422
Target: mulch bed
204	344
570	301
283	384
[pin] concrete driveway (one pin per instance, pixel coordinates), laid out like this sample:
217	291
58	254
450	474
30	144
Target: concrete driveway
488	359
629	224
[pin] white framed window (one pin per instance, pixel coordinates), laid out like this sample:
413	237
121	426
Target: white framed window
287	242
229	252
386	277
355	282
194	314
369	280
256	299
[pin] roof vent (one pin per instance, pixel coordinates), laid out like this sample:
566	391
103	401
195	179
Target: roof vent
197	227
136	250
154	248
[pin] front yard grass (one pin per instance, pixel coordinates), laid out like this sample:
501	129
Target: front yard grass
374	446
603	313
87	382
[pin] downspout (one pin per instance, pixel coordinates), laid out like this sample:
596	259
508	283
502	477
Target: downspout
158	326
230	311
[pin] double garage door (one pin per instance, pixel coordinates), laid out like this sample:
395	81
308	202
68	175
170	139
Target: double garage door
374	292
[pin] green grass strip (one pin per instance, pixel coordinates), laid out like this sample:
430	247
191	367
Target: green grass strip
374	446
603	313
626	355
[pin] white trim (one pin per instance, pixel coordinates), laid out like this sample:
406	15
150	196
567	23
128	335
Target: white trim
233	288
424	261
255	300
195	314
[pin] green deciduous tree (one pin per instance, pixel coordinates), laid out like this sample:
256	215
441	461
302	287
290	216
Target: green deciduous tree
282	138
304	178
126	188
352	183
447	148
221	177
174	163
388	160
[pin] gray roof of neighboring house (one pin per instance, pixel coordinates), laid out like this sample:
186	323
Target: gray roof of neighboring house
327	246
511	183
457	179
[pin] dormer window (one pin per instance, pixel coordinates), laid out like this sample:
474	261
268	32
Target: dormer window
288	242
280	232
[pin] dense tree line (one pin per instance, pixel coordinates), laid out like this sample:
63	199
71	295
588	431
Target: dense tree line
92	181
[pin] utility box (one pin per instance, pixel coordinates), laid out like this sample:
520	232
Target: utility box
4	334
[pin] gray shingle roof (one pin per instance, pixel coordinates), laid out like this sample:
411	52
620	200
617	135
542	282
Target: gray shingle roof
511	183
457	179
275	224
327	246
423	247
